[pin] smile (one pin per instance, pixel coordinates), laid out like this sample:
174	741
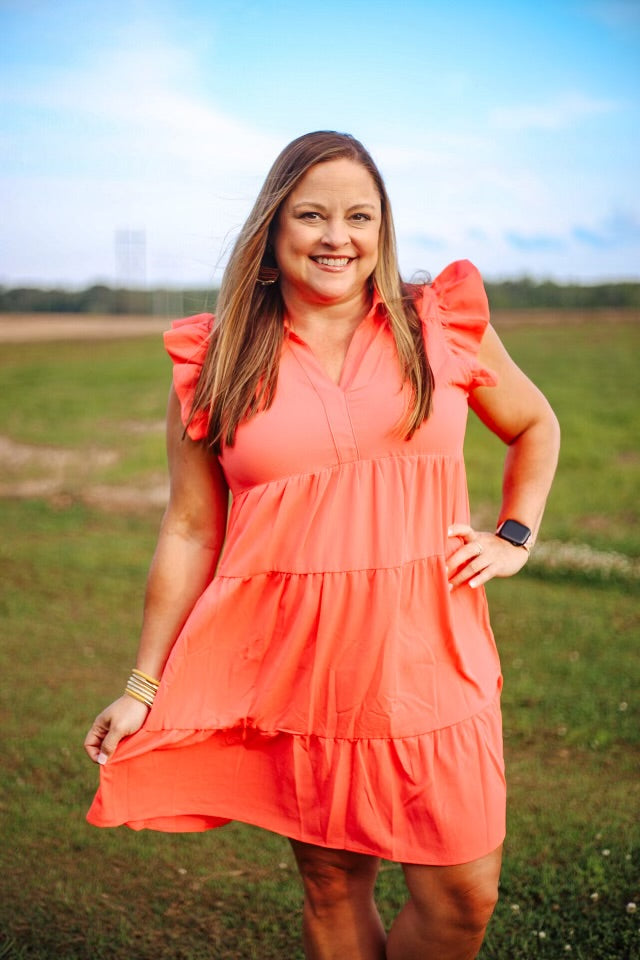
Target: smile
333	261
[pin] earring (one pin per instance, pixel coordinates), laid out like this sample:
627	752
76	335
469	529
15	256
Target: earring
267	276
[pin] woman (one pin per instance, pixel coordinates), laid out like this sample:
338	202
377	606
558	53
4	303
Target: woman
322	656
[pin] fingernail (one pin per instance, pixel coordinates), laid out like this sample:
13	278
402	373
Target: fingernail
450	585
473	583
449	529
102	758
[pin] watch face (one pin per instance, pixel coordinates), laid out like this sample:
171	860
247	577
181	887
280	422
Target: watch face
514	532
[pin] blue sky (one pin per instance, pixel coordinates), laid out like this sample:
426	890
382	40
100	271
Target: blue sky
507	132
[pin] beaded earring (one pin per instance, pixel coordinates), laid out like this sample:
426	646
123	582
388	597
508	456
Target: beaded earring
267	275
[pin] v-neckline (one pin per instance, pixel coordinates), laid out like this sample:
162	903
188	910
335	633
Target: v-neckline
355	354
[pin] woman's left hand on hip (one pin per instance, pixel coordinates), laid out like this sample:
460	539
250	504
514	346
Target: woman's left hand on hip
481	556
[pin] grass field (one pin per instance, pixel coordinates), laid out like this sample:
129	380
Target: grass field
81	423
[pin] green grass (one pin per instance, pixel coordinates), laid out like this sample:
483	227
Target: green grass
81	392
588	372
71	598
92	397
71	582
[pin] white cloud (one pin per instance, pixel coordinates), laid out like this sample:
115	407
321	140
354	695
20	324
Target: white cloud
126	141
142	105
131	139
563	111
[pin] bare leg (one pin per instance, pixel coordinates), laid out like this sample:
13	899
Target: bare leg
340	919
448	910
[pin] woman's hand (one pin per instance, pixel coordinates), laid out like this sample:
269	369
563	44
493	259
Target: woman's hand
481	557
122	718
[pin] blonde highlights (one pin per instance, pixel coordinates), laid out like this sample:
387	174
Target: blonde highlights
240	371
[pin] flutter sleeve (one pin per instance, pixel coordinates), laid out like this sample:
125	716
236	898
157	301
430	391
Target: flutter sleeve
186	343
462	309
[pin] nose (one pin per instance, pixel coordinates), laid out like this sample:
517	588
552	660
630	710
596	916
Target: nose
336	233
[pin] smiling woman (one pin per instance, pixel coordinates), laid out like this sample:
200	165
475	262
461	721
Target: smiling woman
229	389
318	660
326	248
326	243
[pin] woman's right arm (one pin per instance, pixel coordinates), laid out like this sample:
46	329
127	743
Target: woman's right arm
189	545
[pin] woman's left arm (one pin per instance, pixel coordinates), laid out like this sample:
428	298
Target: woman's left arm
518	413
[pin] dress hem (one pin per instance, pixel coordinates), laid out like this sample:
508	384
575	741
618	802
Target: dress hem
348	846
402	800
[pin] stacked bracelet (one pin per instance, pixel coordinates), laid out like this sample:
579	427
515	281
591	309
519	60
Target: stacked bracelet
142	687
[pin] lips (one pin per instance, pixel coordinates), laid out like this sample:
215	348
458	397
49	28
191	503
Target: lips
333	261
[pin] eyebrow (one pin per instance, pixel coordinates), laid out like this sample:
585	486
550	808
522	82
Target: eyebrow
321	206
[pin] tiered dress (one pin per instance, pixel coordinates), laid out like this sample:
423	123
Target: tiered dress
327	685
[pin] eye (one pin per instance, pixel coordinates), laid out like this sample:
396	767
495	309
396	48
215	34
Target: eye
361	217
310	215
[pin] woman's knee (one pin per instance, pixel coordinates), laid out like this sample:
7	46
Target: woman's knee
471	908
462	896
331	877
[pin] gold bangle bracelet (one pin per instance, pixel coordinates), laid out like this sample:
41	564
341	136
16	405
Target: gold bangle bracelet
139	697
141	684
142	687
145	676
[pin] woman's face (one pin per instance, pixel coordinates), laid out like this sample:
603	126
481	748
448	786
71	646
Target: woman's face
326	239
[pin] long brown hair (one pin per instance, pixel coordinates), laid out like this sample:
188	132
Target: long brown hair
240	370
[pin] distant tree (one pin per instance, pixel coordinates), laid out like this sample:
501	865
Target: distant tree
526	293
523	293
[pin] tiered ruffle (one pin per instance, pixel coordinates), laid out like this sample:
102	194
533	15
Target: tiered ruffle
364	795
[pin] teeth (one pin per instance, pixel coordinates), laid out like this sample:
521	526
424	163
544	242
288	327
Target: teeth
332	261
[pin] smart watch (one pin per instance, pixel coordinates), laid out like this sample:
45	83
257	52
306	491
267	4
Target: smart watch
515	532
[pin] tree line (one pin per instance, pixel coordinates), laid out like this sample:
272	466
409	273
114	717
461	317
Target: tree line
102	299
524	293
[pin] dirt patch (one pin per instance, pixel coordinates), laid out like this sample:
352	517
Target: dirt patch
56	460
33	327
127	499
42	327
62	476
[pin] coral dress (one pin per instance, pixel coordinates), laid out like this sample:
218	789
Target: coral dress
327	685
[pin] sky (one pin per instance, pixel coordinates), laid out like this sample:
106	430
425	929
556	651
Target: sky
134	136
